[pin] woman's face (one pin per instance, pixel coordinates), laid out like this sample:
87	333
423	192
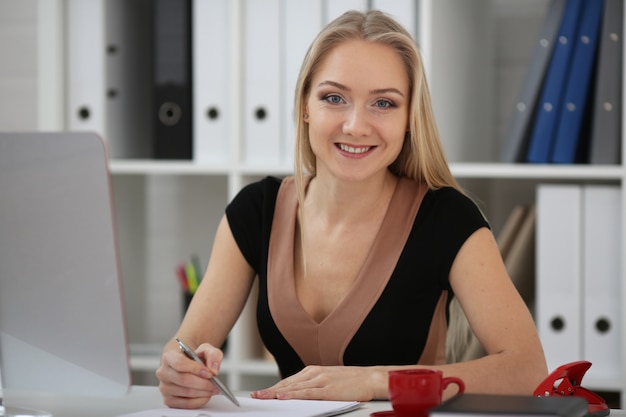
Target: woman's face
358	110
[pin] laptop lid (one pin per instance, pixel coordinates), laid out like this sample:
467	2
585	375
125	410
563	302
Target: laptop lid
62	325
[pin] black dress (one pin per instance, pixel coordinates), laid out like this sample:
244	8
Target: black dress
395	313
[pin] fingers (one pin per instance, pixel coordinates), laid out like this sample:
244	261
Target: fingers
339	383
310	383
211	356
185	383
177	396
184	403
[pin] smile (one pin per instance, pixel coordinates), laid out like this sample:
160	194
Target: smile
350	149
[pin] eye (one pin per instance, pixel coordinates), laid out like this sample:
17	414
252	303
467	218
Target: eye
383	103
332	98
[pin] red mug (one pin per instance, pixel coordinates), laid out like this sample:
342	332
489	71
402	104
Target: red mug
413	392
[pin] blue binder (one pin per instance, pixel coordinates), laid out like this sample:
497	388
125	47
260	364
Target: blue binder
550	103
569	139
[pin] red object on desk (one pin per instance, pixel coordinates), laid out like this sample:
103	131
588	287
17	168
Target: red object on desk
565	380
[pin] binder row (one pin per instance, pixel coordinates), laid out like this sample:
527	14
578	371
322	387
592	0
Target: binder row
578	282
569	107
205	80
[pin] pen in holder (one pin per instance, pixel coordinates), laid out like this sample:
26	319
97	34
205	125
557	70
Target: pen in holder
189	276
187	296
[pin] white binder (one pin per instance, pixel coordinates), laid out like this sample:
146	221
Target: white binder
602	281
262	81
335	8
302	22
558	274
404	11
211	45
86	85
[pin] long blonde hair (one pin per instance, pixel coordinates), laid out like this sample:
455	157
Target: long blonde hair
422	157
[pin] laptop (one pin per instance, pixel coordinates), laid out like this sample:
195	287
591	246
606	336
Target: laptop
62	324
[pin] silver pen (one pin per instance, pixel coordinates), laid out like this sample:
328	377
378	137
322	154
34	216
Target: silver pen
219	384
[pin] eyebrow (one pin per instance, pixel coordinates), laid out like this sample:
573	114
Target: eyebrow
345	88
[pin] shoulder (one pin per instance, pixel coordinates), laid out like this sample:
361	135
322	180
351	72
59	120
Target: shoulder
450	215
250	215
450	203
255	195
263	188
253	204
449	195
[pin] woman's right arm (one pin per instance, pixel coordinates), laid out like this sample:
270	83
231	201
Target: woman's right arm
213	311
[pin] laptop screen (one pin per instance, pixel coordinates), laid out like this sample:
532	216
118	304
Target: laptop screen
62	326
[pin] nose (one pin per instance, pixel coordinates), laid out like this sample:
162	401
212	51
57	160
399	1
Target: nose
357	123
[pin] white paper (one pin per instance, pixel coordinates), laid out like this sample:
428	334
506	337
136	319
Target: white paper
220	406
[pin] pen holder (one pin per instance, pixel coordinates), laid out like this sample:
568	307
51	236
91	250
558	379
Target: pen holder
187	296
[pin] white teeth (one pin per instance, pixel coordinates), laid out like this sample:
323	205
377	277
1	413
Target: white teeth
350	149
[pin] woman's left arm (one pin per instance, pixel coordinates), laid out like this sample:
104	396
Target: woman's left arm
515	361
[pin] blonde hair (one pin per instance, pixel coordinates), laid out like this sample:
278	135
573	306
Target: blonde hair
422	157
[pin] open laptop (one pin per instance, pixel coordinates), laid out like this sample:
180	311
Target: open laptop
62	326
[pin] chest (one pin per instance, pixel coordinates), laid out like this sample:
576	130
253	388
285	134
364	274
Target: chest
326	265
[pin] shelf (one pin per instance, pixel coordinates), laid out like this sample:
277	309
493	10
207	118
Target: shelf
155	167
532	171
147	358
167	167
263	367
604	384
460	170
150	363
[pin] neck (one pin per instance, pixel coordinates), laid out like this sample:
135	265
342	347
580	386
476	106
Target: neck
349	201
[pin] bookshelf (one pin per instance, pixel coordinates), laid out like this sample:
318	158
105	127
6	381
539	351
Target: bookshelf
475	52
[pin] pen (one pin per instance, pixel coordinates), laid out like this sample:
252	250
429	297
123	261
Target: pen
182	278
192	278
219	384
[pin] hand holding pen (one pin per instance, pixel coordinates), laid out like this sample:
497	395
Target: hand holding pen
219	384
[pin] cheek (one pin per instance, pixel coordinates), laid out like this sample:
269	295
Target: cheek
321	129
397	147
395	134
315	137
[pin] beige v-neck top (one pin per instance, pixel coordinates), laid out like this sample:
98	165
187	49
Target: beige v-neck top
395	312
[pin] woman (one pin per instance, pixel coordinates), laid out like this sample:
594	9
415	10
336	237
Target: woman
359	254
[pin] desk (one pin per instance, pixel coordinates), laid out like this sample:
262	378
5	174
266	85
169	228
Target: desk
139	398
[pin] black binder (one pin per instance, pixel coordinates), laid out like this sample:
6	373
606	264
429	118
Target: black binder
606	137
172	79
522	117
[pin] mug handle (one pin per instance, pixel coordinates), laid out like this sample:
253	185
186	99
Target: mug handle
453	380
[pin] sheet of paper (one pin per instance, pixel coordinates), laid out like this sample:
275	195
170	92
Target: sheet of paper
220	406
